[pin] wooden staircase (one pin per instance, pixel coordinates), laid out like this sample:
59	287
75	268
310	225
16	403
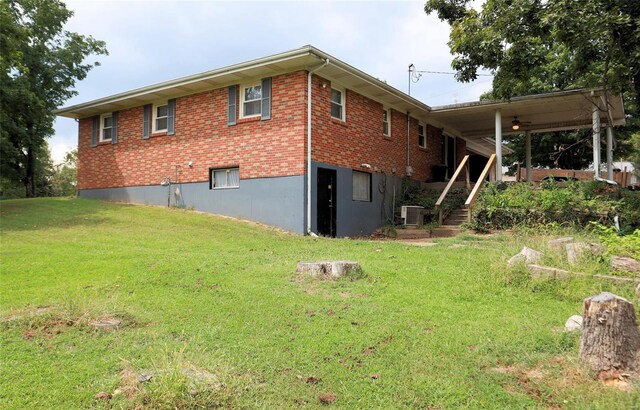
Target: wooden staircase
457	218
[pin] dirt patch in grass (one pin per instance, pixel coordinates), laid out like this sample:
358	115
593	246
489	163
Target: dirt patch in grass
49	322
25	313
543	381
185	386
327	398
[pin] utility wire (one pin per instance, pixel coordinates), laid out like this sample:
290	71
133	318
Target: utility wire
450	73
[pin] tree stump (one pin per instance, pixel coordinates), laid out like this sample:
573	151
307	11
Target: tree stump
624	264
610	336
329	270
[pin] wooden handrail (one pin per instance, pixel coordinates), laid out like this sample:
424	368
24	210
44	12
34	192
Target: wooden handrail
476	188
449	185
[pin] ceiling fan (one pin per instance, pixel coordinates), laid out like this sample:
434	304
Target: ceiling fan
516	124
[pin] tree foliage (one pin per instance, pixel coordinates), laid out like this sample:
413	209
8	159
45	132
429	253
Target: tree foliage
40	63
535	46
65	176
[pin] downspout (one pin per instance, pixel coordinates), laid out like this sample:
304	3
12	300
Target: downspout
409	170
309	75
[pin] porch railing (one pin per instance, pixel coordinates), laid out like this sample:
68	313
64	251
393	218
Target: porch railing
490	167
464	164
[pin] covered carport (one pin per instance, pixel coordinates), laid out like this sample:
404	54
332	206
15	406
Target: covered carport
556	111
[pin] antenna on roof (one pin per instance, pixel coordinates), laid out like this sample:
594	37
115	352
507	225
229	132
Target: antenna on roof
414	76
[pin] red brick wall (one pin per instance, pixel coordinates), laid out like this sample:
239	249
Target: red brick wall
360	140
270	148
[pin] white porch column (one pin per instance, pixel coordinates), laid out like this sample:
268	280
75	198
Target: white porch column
527	155
609	153
596	139
498	145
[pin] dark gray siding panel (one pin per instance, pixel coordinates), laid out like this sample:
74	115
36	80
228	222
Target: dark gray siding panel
355	217
272	201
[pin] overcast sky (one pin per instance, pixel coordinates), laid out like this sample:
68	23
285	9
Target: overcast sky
154	41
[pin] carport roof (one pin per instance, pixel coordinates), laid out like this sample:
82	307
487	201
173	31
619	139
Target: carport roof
555	111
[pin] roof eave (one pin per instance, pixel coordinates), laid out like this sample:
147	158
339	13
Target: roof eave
71	111
76	111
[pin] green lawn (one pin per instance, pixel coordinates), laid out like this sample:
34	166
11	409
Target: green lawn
428	327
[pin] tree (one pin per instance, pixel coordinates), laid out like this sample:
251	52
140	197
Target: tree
43	176
39	65
634	157
65	175
535	46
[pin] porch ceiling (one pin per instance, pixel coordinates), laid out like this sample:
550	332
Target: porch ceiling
556	111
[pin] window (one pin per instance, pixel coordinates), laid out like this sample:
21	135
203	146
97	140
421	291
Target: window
160	117
106	126
224	178
386	122
337	104
251	101
361	186
422	139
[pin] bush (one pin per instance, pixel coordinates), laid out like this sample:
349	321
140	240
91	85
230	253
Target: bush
573	204
622	245
629	211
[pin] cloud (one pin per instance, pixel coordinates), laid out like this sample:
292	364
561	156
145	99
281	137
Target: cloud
154	41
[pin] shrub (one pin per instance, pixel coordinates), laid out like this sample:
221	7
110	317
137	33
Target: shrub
629	210
573	204
623	245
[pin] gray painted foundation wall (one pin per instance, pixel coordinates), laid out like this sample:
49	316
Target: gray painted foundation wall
276	201
273	201
355	218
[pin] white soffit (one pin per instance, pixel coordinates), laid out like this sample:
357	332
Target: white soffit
304	58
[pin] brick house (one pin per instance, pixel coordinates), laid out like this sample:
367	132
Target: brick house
298	140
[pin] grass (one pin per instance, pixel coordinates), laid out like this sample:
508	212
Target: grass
427	327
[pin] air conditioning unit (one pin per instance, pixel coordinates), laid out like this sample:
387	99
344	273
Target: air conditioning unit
412	215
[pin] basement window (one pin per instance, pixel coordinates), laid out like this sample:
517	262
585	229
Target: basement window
361	186
106	125
224	178
422	139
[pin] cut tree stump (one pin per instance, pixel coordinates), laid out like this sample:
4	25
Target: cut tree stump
578	251
558	245
625	264
329	269
610	335
526	255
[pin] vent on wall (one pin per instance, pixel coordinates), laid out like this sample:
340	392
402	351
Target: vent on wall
412	215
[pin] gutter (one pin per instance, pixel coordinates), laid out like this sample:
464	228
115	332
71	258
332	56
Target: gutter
142	92
309	75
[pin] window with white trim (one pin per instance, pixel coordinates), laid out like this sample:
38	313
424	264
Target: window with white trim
422	139
361	186
106	125
337	104
160	117
224	178
386	122
251	100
